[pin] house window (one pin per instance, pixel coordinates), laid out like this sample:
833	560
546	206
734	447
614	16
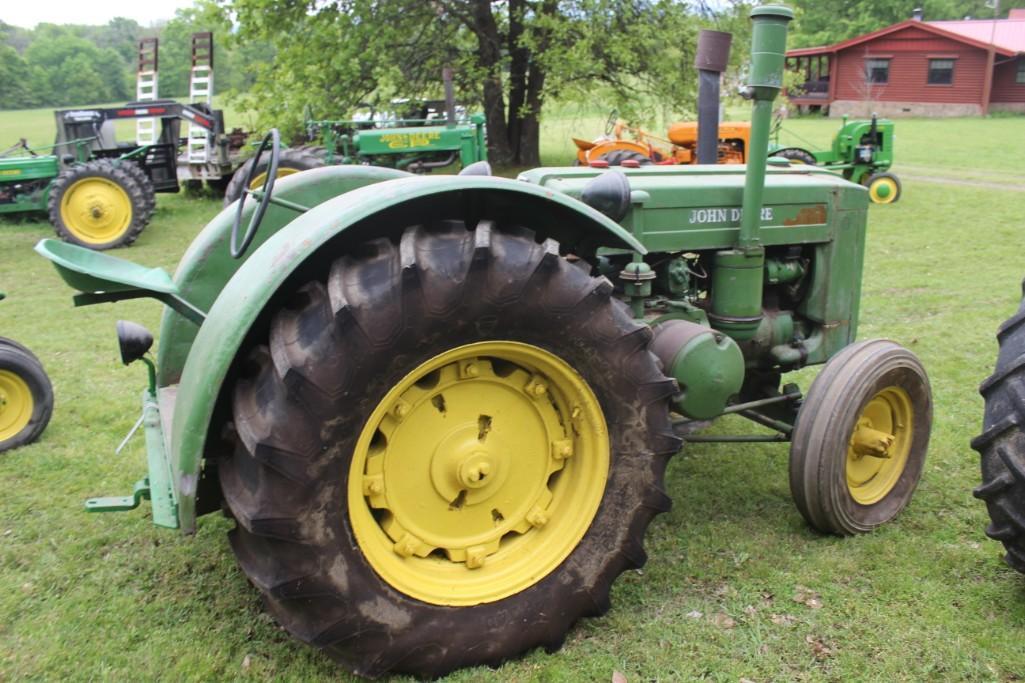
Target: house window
877	70
941	71
1019	76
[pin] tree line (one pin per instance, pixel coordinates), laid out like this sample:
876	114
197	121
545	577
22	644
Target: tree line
510	58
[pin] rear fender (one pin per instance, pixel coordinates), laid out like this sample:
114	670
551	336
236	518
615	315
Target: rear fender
312	241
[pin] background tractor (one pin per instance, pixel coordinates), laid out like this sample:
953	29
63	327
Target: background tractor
26	396
862	152
1002	442
440	408
416	136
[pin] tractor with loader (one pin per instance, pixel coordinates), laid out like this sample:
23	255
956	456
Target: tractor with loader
439	409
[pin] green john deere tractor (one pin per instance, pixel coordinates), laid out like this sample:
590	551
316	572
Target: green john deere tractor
862	152
419	140
439	409
26	395
95	203
1002	442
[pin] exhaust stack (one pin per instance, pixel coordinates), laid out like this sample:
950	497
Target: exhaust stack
713	54
737	279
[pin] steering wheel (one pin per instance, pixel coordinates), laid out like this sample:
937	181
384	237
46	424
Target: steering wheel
273	139
610	123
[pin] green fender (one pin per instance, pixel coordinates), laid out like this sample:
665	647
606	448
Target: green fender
372	211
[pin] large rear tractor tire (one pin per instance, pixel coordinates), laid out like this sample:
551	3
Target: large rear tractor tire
98	205
149	195
447	451
617	156
292	160
862	432
797	155
1002	442
26	396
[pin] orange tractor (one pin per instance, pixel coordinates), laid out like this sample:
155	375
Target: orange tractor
679	147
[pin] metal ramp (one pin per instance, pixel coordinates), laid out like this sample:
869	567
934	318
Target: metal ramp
146	89
201	90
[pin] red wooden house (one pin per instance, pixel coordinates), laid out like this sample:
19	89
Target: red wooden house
918	68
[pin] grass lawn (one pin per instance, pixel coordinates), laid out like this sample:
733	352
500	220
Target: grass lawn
925	598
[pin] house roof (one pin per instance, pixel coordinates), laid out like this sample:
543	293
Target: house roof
1007	36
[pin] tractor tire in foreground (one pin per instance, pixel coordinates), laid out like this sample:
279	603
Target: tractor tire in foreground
98	205
862	432
1002	442
292	160
26	396
448	450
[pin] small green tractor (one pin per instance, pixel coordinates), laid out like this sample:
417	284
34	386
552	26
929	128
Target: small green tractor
1002	442
418	141
26	395
862	152
439	409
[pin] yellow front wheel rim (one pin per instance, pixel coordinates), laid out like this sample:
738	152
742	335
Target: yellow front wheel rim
261	178
16	405
478	473
96	210
883	190
880	443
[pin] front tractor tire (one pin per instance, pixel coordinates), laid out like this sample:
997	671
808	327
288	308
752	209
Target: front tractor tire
883	188
99	205
292	160
26	396
1002	442
859	443
447	451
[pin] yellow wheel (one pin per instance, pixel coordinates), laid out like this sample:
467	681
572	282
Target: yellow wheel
883	188
98	205
459	437
478	473
26	397
290	162
879	445
862	432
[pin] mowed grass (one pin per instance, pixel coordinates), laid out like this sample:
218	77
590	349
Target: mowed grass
926	598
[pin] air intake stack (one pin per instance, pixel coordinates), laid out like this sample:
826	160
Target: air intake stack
737	279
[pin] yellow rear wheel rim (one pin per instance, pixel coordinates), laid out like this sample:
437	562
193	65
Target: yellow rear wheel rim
883	190
880	443
96	210
478	473
261	178
16	405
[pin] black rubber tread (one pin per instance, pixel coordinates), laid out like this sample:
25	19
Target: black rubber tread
617	156
17	359
895	179
1002	442
796	154
301	158
145	184
828	415
103	168
334	351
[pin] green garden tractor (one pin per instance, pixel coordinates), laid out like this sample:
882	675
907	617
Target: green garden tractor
862	152
1002	442
26	395
439	409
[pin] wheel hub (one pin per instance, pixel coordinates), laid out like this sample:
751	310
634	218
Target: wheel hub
16	404
478	473
96	210
879	445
